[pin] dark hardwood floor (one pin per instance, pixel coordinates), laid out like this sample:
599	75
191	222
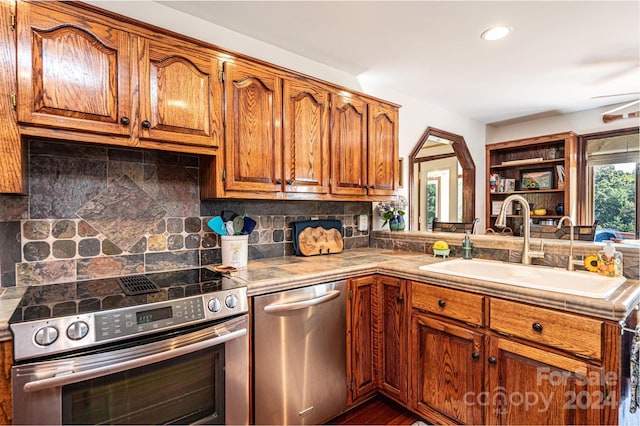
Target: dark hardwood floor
376	411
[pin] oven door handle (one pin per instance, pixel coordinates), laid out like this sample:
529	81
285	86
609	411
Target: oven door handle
284	307
66	379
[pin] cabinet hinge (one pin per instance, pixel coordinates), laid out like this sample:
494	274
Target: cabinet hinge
12	21
350	294
473	325
221	75
351	385
224	174
582	356
329	181
14	103
502	333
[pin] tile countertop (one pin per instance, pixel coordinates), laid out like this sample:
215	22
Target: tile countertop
275	274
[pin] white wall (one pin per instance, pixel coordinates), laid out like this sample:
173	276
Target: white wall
415	115
582	122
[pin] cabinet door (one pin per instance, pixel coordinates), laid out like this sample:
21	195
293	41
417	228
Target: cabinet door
72	73
180	93
447	371
362	330
348	145
253	141
306	137
394	326
533	386
382	176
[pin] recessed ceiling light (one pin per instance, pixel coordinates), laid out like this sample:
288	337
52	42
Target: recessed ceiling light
495	33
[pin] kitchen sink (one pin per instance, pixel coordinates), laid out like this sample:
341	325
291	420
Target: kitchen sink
559	280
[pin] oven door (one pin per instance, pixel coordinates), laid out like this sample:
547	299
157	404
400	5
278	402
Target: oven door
192	377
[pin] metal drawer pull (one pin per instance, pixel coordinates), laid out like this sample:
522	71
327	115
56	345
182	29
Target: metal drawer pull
284	307
72	377
537	327
441	303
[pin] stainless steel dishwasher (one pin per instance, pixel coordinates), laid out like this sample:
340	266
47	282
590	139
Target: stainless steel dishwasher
300	355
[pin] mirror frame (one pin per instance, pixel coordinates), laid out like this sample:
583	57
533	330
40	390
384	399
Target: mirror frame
463	155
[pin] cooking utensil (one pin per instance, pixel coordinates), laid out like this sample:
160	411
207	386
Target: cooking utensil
249	224
238	224
228	215
217	225
229	226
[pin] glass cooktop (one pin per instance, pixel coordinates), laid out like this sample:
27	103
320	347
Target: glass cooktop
64	299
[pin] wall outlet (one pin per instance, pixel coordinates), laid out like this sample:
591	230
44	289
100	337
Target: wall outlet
363	222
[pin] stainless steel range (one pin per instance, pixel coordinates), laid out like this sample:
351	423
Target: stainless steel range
167	347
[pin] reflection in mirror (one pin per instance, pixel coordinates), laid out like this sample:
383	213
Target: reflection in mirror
441	180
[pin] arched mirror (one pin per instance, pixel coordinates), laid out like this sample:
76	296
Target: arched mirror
442	178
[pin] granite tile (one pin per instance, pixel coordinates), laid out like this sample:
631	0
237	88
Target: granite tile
255	208
278	236
330	207
209	240
175	242
156	243
35	229
167	261
63	229
216	207
63	249
262	251
118	169
175	225
110	266
129	155
173	188
10	253
59	186
38	273
139	247
123	213
192	224
192	241
110	249
210	256
13	207
86	230
300	208
160	227
49	148
89	247
36	250
358	207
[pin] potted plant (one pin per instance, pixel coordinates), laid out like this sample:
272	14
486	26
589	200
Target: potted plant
392	212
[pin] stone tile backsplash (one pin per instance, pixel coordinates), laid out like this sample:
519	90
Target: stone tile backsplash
97	211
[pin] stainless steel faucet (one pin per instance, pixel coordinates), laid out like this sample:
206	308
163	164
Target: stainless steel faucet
501	222
571	261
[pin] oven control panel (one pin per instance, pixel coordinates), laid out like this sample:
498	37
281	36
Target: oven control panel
54	335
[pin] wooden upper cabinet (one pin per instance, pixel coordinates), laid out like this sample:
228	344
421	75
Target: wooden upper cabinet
383	149
180	93
73	73
253	141
306	137
348	145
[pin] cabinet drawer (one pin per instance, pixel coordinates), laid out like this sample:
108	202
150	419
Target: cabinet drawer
450	303
568	332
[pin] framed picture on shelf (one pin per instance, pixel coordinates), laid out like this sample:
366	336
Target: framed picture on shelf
536	179
497	205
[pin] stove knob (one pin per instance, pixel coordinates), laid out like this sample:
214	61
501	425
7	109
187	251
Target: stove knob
77	330
46	335
231	301
214	305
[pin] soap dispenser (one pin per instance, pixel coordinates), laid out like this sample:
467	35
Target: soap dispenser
610	261
467	247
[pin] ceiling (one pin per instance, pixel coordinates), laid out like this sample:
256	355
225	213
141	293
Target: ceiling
562	56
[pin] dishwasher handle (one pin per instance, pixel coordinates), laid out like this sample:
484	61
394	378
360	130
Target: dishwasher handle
285	307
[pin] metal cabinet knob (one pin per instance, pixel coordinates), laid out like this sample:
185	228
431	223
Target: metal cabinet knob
400	299
492	360
146	124
441	303
475	355
537	327
125	120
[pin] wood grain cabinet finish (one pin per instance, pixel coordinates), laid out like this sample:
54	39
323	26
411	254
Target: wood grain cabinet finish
394	337
180	93
6	362
382	176
348	145
253	142
447	369
568	332
454	304
306	137
73	72
362	342
527	385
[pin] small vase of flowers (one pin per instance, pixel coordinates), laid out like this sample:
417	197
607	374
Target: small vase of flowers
392	212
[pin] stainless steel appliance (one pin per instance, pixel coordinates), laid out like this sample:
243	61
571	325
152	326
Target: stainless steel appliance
300	355
178	353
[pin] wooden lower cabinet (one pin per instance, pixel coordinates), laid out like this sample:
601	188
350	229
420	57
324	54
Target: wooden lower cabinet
6	361
527	385
362	329
394	335
447	371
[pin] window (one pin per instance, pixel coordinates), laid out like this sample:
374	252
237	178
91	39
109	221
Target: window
613	181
